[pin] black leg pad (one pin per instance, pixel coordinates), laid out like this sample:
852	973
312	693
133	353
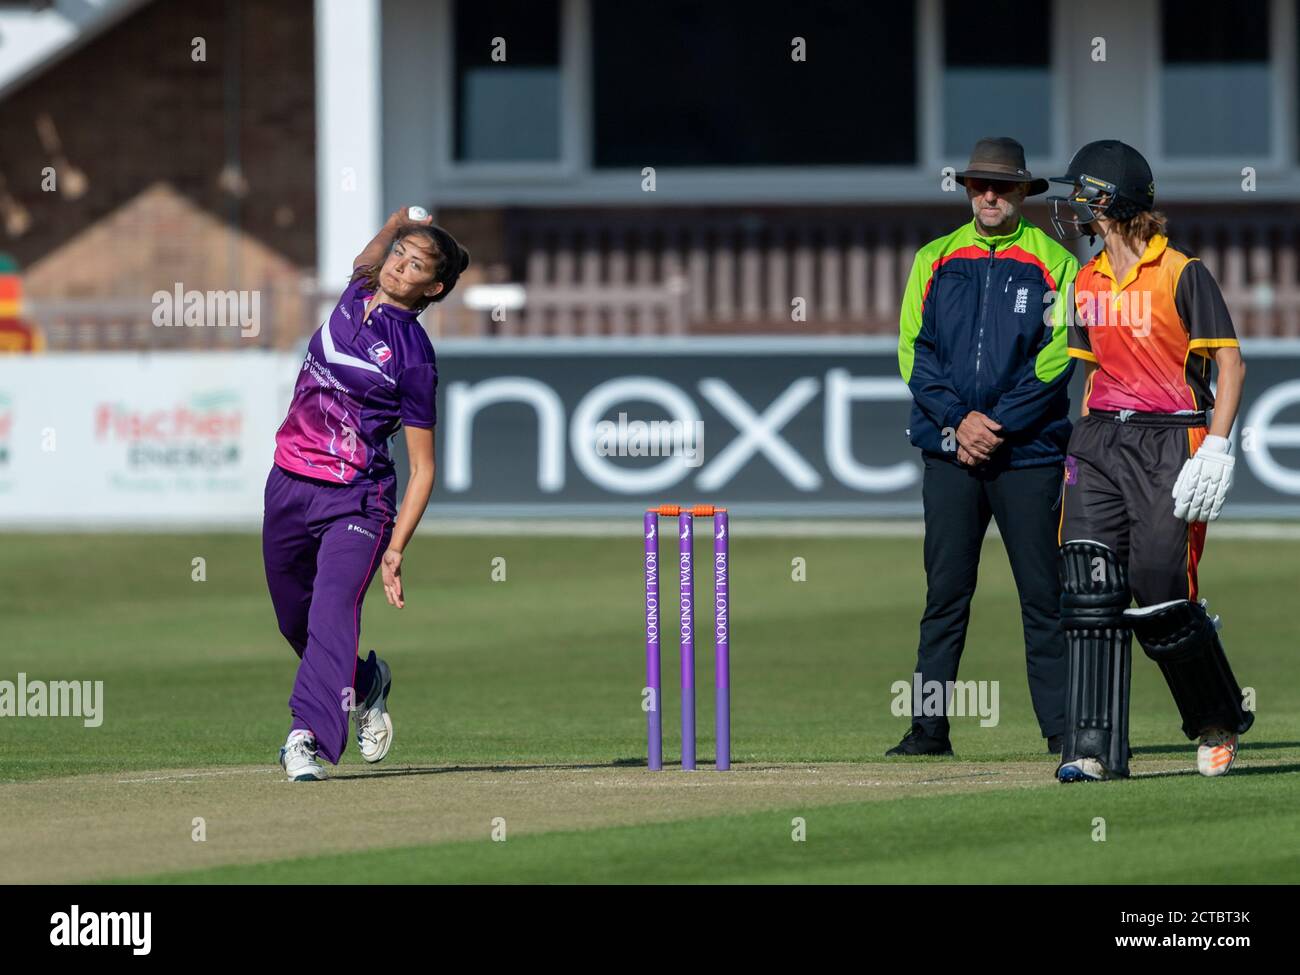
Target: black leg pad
1094	596
1182	638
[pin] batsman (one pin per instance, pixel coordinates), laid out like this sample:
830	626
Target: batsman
1147	466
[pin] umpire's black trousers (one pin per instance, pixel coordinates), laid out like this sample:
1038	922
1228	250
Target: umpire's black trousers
1026	503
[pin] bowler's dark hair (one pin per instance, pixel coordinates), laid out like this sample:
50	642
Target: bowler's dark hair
449	257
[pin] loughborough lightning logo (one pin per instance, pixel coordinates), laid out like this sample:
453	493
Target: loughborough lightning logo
380	353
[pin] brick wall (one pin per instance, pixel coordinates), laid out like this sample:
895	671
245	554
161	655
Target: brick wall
153	130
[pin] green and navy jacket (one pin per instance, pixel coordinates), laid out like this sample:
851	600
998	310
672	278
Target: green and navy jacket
982	328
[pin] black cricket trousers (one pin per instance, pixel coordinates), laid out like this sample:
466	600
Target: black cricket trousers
1025	502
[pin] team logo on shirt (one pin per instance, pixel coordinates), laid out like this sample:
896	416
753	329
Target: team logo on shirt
380	353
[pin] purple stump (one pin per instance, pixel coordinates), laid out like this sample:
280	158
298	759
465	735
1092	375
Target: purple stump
686	603
654	727
721	641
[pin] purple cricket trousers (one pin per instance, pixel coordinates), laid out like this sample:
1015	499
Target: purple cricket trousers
321	544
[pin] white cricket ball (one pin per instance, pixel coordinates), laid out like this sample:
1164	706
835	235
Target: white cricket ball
417	213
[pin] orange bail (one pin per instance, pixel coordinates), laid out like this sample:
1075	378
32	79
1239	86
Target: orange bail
706	511
698	511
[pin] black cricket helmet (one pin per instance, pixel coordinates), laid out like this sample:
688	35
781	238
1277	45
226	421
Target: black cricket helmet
1107	178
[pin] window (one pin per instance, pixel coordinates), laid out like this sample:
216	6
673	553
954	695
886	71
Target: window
689	83
1215	85
997	74
507	109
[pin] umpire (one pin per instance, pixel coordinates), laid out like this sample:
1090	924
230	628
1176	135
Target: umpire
982	347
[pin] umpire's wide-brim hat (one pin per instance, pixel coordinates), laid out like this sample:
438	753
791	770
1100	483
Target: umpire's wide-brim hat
999	157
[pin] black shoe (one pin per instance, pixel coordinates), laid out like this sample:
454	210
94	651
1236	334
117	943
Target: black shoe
1054	745
917	742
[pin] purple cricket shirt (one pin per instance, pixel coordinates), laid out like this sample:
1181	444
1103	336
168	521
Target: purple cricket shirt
361	380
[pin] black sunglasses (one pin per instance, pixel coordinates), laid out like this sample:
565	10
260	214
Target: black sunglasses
999	186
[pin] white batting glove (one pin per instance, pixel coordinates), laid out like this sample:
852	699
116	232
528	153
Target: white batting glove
1203	482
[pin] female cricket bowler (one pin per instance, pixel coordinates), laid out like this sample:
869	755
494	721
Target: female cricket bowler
1143	474
330	509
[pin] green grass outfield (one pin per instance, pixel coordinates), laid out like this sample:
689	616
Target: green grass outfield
545	668
994	838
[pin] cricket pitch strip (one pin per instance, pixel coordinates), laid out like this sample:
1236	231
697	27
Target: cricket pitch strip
105	826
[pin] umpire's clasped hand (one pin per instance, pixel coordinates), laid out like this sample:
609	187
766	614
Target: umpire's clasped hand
977	438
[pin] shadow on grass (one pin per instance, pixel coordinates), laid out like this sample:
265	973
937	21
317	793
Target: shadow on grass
918	761
1237	772
1266	769
1246	746
621	763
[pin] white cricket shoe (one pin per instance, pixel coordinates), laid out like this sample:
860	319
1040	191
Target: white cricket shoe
374	725
1216	752
298	758
1082	770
